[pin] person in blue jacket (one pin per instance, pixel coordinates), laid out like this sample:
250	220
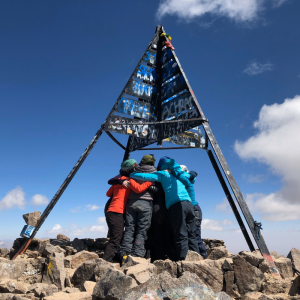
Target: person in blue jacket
181	173
178	202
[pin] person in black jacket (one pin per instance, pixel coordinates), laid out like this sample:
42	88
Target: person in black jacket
138	213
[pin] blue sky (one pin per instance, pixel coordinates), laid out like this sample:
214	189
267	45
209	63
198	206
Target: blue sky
63	65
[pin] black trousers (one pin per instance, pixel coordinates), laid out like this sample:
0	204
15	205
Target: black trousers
115	222
198	215
183	224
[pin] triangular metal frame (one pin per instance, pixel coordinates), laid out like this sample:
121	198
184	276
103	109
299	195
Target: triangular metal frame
135	143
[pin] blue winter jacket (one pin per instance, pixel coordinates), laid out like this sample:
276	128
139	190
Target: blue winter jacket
186	179
174	189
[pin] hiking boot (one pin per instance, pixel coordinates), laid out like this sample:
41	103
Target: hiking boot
124	259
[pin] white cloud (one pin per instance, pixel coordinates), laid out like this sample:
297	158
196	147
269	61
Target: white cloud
227	222
255	68
238	10
208	224
254	178
92	207
39	200
76	209
56	229
224	206
277	145
86	231
14	198
101	220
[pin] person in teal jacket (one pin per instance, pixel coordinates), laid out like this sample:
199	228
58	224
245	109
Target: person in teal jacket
181	174
178	202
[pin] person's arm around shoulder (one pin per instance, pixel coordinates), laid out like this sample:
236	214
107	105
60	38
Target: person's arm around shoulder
139	188
156	176
110	191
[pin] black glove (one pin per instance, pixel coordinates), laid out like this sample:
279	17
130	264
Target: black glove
193	175
152	189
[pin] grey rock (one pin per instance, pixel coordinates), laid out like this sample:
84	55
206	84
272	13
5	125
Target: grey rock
50	249
230	287
61	236
89	242
248	277
209	271
69	250
193	256
217	253
81	257
56	273
26	270
79	245
113	285
284	266
91	270
273	286
60	242
166	266
254	258
32	218
71	290
68	261
256	296
227	266
101	243
43	289
212	243
295	287
264	267
274	254
294	256
4	252
12	286
164	286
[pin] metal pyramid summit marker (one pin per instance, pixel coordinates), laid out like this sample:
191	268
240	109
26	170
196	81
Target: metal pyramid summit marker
158	104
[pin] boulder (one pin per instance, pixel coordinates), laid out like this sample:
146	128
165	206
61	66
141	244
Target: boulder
60	242
231	288
89	286
272	285
81	257
141	272
264	267
212	243
166	266
61	236
256	296
68	261
274	254
284	266
4	252
32	218
209	272
42	289
101	243
67	296
69	250
27	270
132	261
248	277
227	265
89	242
33	254
294	256
79	245
295	287
69	275
193	256
164	286
217	253
50	249
254	258
55	271
71	290
113	285
91	270
12	286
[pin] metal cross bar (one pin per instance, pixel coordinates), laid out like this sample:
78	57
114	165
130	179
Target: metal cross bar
167	148
160	122
115	140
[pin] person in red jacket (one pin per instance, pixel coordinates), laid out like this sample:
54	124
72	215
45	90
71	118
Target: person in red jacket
116	211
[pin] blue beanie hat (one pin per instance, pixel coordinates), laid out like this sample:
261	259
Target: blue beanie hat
128	163
162	161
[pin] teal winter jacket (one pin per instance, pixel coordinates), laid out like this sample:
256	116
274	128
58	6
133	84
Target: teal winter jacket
174	189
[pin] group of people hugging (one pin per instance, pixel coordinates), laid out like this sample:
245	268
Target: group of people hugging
152	211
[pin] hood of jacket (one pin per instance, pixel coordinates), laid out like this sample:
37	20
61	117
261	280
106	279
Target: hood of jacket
171	164
143	168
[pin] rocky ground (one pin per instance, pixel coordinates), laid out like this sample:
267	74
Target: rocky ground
60	269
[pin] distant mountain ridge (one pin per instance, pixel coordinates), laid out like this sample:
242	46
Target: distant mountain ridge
6	243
